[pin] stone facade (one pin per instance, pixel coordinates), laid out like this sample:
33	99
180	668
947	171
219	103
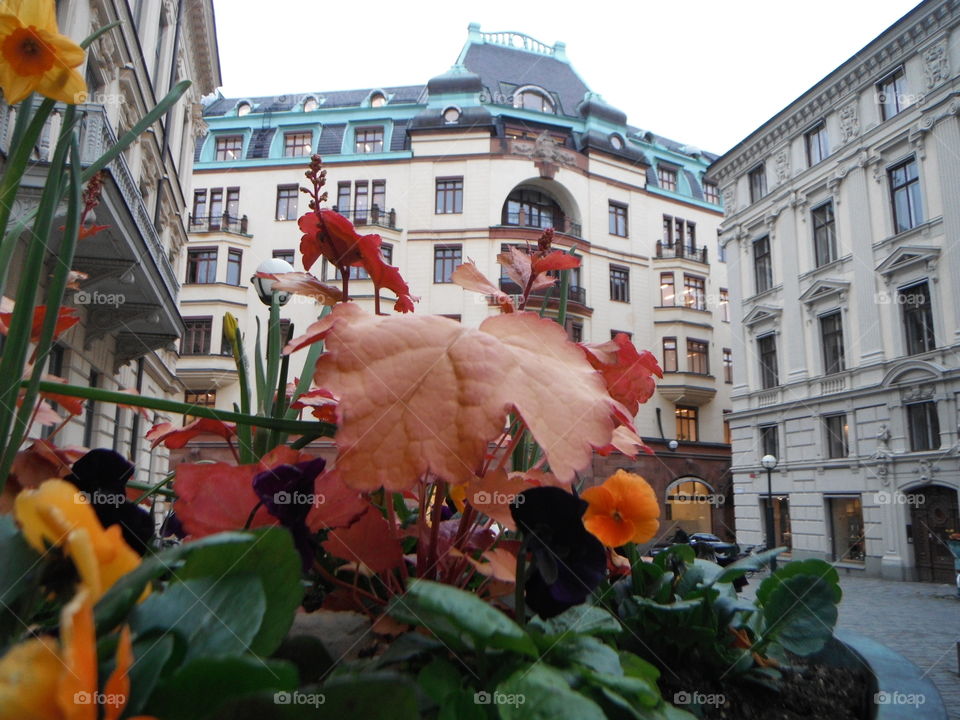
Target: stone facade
842	230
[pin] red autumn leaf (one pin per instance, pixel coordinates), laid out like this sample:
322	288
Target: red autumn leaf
336	504
39	462
422	394
73	405
174	437
500	563
627	373
469	277
368	541
383	275
556	260
303	283
321	402
66	319
330	234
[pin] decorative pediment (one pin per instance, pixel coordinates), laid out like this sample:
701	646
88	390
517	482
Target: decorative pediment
762	313
907	256
913	373
823	289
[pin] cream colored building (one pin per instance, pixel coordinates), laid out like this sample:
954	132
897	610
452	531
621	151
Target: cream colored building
130	319
842	231
478	158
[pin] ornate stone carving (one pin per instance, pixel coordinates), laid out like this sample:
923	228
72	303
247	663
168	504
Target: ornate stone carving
545	149
849	122
200	128
936	64
730	200
782	162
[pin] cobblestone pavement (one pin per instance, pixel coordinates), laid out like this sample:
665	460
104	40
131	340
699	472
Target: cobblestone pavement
921	621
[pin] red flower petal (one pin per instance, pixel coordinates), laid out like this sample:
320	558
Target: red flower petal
174	437
368	541
627	373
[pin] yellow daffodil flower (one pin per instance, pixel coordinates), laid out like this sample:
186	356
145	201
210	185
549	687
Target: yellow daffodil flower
57	515
34	56
40	680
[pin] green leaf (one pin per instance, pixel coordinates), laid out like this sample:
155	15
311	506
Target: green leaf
817	568
200	687
750	563
639	691
542	693
636	666
580	619
113	607
19	561
214	616
407	647
371	696
800	613
683	553
151	654
272	558
464	706
586	651
457	615
309	654
439	679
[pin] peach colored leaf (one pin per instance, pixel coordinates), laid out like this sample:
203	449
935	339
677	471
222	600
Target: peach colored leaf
469	277
556	260
368	541
501	564
494	492
517	265
335	505
303	283
627	442
425	394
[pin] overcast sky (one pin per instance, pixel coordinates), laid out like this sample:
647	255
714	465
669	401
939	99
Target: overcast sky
703	72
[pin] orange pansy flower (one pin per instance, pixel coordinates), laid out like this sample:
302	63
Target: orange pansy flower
623	509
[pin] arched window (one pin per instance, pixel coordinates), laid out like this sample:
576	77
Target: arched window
243	109
310	104
689	501
531	208
378	100
533	100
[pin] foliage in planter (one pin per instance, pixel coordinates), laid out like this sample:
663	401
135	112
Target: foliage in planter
682	609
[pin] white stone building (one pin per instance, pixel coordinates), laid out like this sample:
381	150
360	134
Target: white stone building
842	231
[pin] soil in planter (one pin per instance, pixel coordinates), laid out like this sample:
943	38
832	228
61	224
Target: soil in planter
807	692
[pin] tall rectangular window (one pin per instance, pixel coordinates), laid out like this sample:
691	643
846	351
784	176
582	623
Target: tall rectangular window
668	231
905	195
199	206
816	142
287	196
618	219
670	354
758	183
368	140
449	196
836	431
767	350
762	264
769	440
917	317
667	178
711	193
687	430
727	365
698	360
378	197
890	94
202	265
343	197
824	234
233	203
297	144
923	426
694	292
619	283
846	525
196	338
234	263
445	260
361	201
229	147
216	208
724	305
668	292
831	338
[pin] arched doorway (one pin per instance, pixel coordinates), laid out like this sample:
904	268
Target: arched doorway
689	506
538	204
934	514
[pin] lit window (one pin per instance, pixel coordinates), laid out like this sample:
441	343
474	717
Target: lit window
243	109
229	147
297	144
287	196
686	423
694	292
698	360
377	100
724	305
368	140
668	293
533	100
310	104
670	354
846	525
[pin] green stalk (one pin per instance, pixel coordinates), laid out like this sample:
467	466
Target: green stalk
279	406
174	407
54	299
273	352
244	435
261	376
309	365
519	590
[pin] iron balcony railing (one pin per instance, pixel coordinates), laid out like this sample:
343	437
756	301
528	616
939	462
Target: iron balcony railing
370	216
525	220
679	250
575	293
218	223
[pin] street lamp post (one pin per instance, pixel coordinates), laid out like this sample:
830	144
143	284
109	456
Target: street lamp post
770	462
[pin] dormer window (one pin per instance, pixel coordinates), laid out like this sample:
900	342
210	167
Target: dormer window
451	116
243	109
533	100
310	104
616	142
378	100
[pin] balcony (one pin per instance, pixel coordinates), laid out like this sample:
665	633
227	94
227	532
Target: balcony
540	223
370	216
678	250
218	223
575	293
